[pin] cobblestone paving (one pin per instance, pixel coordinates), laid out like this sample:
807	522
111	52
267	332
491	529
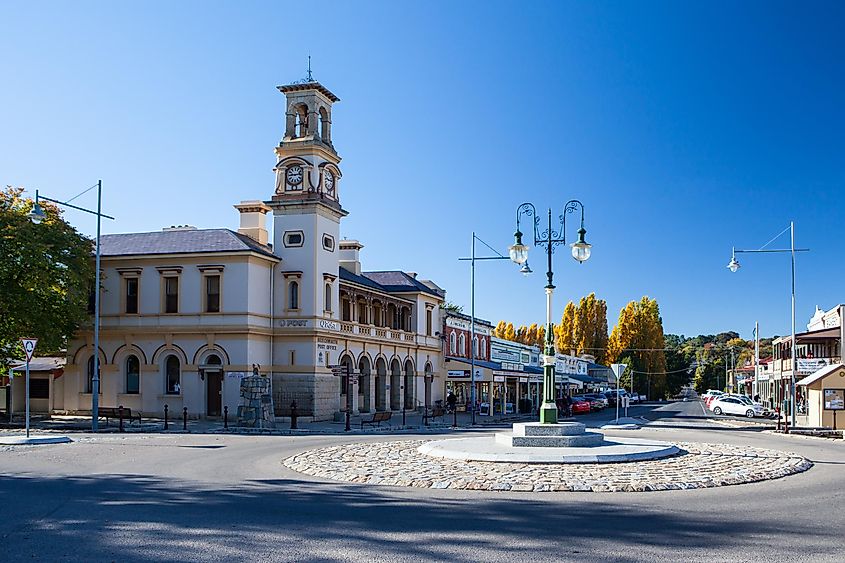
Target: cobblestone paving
399	463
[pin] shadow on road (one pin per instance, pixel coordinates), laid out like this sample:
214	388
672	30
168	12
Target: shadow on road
130	517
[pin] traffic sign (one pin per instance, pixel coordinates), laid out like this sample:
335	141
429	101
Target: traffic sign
618	370
29	347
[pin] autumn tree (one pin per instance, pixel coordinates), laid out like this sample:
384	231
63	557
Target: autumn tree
639	335
46	275
510	333
565	331
590	331
500	330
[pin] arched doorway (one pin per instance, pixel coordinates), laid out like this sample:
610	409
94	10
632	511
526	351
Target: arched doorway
409	384
395	385
213	373
364	384
381	384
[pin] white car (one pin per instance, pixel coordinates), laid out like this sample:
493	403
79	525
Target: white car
732	405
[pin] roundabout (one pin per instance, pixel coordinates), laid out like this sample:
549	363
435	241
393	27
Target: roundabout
405	464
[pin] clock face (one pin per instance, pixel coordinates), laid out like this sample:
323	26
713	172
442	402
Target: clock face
294	175
328	181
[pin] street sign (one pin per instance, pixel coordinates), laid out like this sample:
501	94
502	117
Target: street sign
618	370
29	347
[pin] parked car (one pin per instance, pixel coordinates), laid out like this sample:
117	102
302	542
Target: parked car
747	401
635	398
580	406
732	405
611	396
600	399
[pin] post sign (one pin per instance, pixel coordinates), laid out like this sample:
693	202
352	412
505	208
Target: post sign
29	347
834	399
458	373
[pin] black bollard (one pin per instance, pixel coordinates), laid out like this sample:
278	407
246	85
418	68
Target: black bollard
455	417
293	415
184	418
165	416
120	416
226	417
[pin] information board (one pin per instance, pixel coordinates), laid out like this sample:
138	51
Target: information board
834	399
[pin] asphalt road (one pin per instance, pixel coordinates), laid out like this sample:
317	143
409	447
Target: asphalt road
228	498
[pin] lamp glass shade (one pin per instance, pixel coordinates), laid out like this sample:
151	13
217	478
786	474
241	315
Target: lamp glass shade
518	253
37	214
733	266
581	250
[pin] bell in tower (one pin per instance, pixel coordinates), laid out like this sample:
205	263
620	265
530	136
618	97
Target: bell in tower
307	163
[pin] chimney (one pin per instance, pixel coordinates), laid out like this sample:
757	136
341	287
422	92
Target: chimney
349	259
253	220
412	274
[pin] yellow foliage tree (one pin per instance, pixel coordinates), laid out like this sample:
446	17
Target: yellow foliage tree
565	331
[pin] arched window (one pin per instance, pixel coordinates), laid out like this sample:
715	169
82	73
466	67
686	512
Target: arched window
462	345
172	376
482	350
213	360
301	121
293	295
453	343
475	346
329	297
89	386
133	377
324	126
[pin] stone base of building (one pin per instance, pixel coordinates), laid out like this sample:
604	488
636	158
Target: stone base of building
316	395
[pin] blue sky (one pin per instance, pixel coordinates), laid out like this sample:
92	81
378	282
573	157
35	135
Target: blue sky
684	129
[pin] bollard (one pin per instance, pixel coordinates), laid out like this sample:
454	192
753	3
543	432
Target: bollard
293	415
455	417
120	416
184	418
165	416
226	417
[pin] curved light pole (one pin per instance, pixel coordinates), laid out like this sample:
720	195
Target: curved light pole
549	238
734	266
36	216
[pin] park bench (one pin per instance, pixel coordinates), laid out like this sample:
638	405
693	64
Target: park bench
377	418
438	411
117	413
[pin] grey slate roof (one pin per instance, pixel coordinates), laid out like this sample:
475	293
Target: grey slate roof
397	281
389	282
180	242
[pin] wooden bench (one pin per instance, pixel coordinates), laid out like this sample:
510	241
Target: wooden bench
116	413
438	411
378	418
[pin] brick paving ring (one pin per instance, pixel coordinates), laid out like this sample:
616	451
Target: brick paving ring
400	463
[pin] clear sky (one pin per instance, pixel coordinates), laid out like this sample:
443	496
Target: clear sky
683	128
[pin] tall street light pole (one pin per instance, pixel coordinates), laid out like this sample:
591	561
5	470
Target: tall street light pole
519	254
526	270
37	215
734	266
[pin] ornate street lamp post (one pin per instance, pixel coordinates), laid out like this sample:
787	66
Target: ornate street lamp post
519	254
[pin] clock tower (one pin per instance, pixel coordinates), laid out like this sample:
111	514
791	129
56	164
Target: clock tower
306	226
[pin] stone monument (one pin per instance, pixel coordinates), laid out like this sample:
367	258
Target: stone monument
256	408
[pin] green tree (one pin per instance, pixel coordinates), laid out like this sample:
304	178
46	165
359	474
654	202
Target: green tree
46	275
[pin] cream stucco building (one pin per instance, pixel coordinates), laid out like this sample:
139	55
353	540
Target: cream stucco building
185	312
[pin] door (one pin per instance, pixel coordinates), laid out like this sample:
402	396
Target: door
214	395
